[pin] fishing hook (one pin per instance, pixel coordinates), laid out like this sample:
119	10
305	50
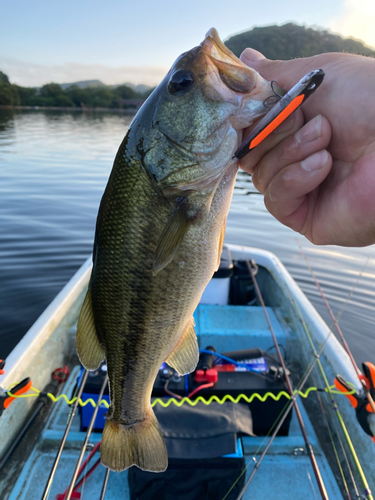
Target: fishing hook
274	91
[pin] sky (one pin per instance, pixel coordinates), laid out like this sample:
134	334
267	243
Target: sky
137	41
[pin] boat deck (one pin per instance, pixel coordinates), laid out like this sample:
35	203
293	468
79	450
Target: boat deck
284	473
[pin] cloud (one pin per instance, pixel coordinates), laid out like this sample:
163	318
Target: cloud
356	20
36	75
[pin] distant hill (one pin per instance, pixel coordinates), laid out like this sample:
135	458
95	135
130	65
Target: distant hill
84	84
140	88
290	40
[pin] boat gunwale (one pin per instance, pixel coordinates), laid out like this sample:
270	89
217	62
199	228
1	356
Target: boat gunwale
23	354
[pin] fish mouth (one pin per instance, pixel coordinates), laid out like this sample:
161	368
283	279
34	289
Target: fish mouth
213	46
233	72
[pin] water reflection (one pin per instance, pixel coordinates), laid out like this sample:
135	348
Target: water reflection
54	167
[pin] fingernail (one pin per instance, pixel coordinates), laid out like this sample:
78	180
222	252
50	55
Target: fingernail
315	161
249	56
310	132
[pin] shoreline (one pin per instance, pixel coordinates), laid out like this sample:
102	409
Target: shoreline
62	108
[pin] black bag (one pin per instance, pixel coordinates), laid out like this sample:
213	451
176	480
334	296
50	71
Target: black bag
209	479
198	440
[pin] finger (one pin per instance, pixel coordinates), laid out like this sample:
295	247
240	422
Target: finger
287	73
249	56
291	194
311	138
291	125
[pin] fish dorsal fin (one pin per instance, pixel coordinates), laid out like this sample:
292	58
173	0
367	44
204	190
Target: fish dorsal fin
90	352
171	238
184	357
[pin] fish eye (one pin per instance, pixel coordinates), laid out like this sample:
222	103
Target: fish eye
180	81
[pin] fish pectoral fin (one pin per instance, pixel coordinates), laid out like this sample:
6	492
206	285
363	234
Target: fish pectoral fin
90	352
171	238
184	358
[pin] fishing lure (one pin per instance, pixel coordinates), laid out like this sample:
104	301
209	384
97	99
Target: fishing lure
296	96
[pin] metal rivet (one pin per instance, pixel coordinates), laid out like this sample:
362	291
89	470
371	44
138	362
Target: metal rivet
298	451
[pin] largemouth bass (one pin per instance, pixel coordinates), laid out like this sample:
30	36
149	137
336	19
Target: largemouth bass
159	236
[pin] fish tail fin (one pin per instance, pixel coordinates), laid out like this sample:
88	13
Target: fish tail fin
90	352
140	444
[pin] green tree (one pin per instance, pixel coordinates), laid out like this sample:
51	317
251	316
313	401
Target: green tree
52	95
124	92
101	97
290	41
8	92
51	90
6	96
3	77
77	95
25	94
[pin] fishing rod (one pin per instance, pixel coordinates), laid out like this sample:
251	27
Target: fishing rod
336	451
63	440
309	448
105	483
86	440
42	401
341	335
355	458
288	408
297	392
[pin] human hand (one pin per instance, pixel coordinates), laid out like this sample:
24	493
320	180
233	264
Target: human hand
319	178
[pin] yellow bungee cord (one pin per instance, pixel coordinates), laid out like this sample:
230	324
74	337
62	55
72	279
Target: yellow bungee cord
191	402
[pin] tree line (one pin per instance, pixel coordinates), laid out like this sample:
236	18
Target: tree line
275	42
53	95
291	40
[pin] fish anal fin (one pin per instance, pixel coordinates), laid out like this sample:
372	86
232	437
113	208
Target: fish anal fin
184	357
221	243
171	238
90	352
140	444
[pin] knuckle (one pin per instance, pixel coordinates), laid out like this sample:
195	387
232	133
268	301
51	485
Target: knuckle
289	151
247	164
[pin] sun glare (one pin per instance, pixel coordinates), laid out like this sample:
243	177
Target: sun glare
357	20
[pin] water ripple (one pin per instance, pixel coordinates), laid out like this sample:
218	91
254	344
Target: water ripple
53	170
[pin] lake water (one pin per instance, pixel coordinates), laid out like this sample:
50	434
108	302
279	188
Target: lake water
53	170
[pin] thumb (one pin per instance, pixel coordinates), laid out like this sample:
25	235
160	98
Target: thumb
250	56
286	73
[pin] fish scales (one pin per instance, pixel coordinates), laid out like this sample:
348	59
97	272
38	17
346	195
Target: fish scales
158	239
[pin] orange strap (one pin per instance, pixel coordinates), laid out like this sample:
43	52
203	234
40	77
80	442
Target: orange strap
26	386
277	121
370	373
342	388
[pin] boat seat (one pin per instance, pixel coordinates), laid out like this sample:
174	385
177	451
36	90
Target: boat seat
230	328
